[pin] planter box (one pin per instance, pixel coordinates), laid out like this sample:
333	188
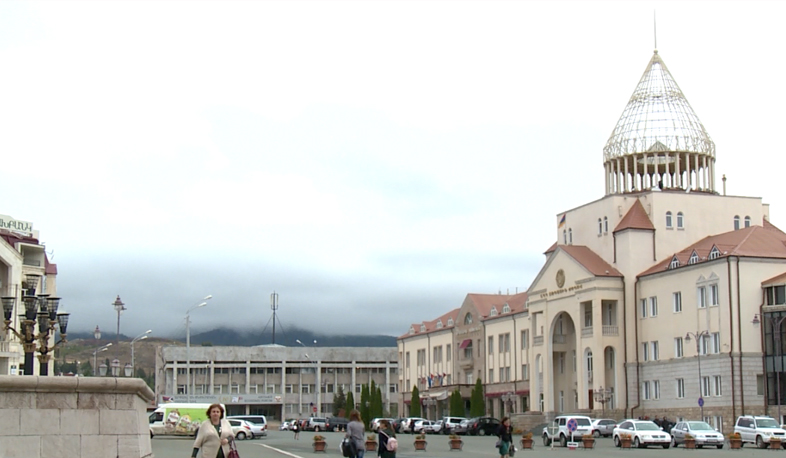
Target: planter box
420	444
690	443
456	444
588	443
371	446
527	443
626	443
320	446
735	444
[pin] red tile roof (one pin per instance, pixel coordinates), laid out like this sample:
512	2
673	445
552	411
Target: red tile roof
485	302
551	249
636	218
431	326
753	242
776	280
591	261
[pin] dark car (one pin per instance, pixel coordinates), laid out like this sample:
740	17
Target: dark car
483	426
337	424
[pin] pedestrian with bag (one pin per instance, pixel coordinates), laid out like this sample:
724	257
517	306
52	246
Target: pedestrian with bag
505	433
296	429
388	444
215	435
356	431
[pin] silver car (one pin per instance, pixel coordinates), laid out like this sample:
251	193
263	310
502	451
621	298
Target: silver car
603	427
701	432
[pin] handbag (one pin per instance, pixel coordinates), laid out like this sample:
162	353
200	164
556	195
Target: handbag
499	443
233	453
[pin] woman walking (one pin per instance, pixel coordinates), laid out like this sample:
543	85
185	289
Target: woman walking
356	431
385	434
505	433
214	434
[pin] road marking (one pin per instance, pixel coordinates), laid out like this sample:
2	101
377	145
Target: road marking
283	452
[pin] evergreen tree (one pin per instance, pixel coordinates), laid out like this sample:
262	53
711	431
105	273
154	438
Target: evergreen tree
477	404
414	405
86	369
339	402
350	404
457	404
380	409
365	403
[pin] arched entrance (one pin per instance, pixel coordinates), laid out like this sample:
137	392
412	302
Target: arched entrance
565	364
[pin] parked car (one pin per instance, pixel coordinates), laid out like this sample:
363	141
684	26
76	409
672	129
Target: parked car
337	424
374	424
448	423
759	430
241	429
396	424
422	426
558	430
603	427
258	423
408	423
643	433
284	426
463	426
702	433
483	426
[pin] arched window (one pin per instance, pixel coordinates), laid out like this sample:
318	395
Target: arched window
600	227
714	253
570	236
450	321
680	221
747	221
605	224
564	237
668	220
736	223
674	263
506	308
468	318
493	311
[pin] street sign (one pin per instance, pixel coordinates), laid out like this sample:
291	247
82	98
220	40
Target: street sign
315	409
701	402
572	425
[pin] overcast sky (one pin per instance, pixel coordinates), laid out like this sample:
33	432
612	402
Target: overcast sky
372	162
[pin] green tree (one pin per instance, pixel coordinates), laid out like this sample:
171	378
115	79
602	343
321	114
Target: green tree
477	404
379	410
86	369
350	403
339	401
414	405
457	404
365	403
149	379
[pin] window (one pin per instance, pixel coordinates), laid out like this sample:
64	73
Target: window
694	258
570	236
468	318
439	324
600	227
680	388
491	376
736	223
501	374
525	372
668	220
674	263
605	224
645	351
289	388
715	342
701	297
656	389
714	295
450	321
524	339
676	301
587	315
680	221
564	236
714	253
653	306
447	352
645	390
655	350
760	384
747	221
506	308
504	342
643	306
678	350
705	386
491	345
493	311
716	386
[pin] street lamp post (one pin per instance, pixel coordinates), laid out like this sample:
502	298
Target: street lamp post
507	400
95	357
602	396
119	307
316	380
698	336
188	345
139	337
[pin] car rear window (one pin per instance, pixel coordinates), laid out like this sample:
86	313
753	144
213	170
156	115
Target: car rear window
582	422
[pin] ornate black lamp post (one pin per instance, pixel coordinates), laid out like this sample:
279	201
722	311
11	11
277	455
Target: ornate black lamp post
43	310
602	395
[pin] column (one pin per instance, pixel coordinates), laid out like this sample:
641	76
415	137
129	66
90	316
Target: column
687	172
625	181
678	183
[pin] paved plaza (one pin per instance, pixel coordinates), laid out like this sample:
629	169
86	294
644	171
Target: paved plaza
282	443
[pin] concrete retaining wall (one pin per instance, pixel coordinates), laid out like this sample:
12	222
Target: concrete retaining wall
79	417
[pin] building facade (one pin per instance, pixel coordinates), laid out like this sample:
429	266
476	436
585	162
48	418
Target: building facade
24	269
276	381
664	297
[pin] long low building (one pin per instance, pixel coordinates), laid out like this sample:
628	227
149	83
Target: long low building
272	380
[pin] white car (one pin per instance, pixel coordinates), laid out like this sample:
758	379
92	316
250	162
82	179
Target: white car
759	430
643	433
284	426
241	429
405	425
422	426
701	432
558	430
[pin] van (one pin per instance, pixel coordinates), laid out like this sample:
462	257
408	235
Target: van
177	419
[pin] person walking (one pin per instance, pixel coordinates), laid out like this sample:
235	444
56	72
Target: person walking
214	434
385	433
296	429
505	433
356	431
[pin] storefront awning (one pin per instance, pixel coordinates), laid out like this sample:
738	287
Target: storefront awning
465	343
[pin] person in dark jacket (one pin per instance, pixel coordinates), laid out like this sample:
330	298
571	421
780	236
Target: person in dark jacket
505	433
385	432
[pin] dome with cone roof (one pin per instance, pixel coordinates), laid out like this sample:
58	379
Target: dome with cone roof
658	141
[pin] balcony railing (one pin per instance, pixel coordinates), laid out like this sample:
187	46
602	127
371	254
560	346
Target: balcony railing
537	340
609	330
558	338
586	332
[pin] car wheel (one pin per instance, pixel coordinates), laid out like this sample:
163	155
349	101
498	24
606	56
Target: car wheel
636	442
699	446
666	445
546	440
720	446
481	432
596	433
151	434
316	429
673	441
760	442
563	441
241	436
617	441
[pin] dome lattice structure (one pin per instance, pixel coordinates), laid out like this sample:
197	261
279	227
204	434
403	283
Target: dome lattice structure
659	141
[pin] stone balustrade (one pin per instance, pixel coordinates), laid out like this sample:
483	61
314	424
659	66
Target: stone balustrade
75	417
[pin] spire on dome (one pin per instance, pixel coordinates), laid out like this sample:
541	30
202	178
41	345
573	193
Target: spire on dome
659	141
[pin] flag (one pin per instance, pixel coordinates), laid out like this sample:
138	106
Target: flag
430	380
562	221
166	398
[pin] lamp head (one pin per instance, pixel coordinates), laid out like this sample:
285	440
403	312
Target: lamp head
118	304
8	307
687	337
97	333
62	320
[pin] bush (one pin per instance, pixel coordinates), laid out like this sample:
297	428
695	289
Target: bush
318	438
420	437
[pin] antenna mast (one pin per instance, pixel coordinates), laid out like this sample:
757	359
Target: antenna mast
274	307
655	28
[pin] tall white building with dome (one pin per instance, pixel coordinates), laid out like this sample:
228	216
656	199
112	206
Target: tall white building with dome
657	299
